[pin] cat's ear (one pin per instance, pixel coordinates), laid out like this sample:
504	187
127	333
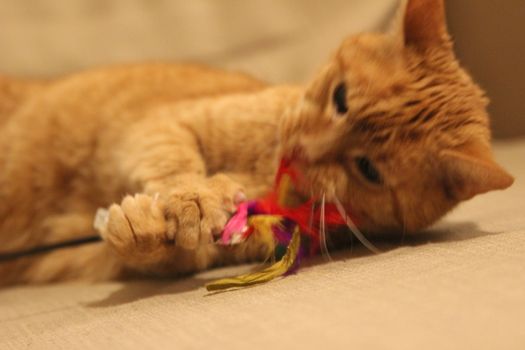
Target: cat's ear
422	24
471	170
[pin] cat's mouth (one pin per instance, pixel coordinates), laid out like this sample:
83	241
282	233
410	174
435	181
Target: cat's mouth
314	188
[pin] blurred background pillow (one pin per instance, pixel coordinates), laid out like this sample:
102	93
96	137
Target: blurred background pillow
275	40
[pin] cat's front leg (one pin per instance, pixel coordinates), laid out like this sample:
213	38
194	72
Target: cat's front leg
172	227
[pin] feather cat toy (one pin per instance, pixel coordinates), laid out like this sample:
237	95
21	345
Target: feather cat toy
292	227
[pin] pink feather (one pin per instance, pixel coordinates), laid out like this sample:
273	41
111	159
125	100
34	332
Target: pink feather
236	225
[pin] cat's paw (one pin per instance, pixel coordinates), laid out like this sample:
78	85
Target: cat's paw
198	217
150	227
136	229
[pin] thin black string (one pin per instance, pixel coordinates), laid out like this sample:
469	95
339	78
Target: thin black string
47	248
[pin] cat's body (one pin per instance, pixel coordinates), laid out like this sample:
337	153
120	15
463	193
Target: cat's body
65	148
186	141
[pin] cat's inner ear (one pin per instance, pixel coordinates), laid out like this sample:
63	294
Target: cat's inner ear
471	170
424	24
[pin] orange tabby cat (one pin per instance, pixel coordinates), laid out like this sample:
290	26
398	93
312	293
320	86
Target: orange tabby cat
391	126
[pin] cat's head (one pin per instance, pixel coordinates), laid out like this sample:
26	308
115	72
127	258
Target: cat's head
394	127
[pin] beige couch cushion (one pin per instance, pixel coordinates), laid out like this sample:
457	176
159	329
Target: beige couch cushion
275	40
278	41
461	285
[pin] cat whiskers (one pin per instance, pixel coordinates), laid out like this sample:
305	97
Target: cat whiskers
353	228
322	229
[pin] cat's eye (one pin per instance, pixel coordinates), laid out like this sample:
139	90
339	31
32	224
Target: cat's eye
368	170
339	99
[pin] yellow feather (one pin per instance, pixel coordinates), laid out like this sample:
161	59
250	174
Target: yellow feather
276	270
